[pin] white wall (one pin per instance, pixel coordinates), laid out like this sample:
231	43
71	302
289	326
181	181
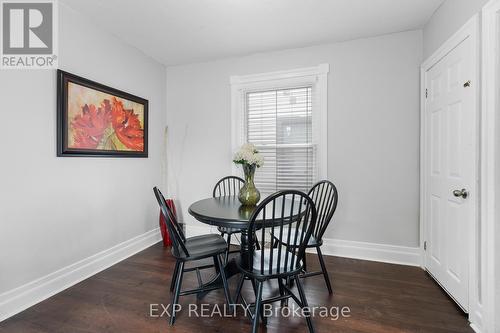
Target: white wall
373	130
56	211
447	19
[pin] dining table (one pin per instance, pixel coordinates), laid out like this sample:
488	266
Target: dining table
228	212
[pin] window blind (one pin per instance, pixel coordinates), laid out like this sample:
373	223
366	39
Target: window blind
279	123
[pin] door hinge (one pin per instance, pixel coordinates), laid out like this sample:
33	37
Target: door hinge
425	92
425	245
467	84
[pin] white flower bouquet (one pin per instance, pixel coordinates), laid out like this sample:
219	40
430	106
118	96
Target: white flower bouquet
248	155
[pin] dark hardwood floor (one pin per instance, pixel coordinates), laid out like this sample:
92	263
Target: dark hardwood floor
381	298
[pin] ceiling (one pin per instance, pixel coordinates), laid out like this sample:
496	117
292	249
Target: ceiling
184	31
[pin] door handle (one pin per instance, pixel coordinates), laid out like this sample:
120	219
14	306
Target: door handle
461	193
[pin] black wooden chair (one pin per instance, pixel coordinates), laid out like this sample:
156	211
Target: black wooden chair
325	197
276	214
228	186
191	249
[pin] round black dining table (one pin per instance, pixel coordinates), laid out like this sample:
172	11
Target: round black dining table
228	212
222	212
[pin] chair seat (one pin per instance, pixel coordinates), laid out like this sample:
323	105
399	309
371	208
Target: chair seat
226	230
257	256
203	246
313	241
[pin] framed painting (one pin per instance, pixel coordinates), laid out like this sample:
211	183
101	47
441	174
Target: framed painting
97	120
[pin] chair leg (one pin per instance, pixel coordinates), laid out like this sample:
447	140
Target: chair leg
304	261
174	276
228	248
240	286
254	286
256	291
284	302
323	269
257	245
275	243
258	305
303	300
289	282
224	283
177	291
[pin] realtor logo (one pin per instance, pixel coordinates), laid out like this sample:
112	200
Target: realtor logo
28	34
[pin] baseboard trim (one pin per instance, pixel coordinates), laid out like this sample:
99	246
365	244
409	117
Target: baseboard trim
25	296
393	254
476	320
200	229
476	328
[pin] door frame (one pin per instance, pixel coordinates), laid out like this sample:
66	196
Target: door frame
469	30
490	178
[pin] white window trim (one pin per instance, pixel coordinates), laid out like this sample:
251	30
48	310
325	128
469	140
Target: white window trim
316	76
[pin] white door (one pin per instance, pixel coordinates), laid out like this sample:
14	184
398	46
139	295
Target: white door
450	170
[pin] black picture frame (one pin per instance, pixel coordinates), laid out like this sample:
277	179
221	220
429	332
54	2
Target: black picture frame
62	118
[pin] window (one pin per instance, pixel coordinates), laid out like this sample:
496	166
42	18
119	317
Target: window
284	115
279	123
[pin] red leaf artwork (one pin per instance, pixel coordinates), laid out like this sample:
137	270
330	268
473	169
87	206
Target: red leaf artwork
127	126
89	126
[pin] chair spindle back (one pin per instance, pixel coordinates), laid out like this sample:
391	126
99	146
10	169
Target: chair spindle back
325	197
173	226
290	215
228	186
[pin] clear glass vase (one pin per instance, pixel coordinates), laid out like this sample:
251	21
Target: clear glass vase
249	195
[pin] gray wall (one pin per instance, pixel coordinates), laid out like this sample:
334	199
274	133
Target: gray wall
447	19
373	130
57	211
